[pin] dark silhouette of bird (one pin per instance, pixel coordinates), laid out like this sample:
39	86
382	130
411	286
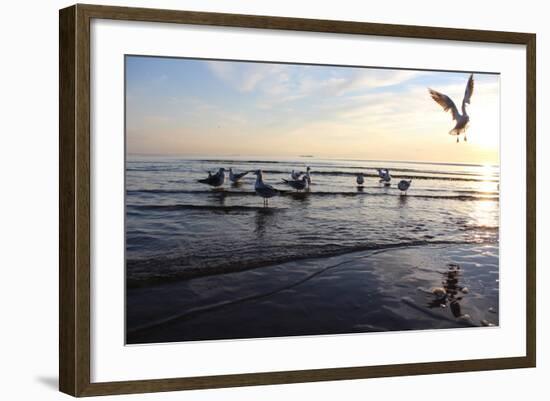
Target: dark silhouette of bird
214	180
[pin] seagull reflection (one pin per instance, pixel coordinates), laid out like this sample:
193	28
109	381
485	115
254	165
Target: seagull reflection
302	197
264	219
218	197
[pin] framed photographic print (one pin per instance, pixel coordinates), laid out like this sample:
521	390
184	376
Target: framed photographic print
251	200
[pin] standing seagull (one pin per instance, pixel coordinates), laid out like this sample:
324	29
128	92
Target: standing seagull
360	179
297	184
404	185
215	180
262	189
308	176
463	119
295	175
236	177
384	175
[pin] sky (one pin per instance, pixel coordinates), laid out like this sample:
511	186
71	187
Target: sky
177	106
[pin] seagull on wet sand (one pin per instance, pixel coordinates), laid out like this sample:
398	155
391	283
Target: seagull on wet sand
404	185
235	177
446	102
262	189
214	180
297	184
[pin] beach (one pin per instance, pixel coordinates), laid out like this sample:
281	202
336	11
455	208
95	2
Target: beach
368	291
210	263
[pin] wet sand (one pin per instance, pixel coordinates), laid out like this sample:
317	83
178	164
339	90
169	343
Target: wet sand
408	288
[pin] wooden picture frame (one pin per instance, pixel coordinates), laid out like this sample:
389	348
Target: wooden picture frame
74	203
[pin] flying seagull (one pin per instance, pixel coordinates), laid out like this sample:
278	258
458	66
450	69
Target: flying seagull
214	180
262	189
463	119
235	177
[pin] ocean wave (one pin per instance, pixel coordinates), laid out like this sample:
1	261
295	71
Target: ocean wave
480	228
144	272
441	176
289	193
212	208
396	173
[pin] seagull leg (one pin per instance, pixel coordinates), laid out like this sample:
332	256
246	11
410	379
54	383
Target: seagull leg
465	139
457	139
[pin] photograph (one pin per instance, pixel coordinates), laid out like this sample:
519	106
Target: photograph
276	199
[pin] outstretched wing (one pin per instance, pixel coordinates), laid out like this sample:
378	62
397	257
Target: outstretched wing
469	90
240	175
445	102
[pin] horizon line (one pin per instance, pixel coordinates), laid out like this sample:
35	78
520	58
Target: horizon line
224	157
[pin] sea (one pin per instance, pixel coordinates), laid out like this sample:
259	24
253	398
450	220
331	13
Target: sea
178	228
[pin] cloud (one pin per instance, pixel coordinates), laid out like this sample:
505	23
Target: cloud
245	77
344	82
369	79
276	84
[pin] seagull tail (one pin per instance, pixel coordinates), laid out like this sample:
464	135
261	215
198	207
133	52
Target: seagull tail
454	132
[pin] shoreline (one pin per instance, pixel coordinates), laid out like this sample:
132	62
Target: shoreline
387	289
189	274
